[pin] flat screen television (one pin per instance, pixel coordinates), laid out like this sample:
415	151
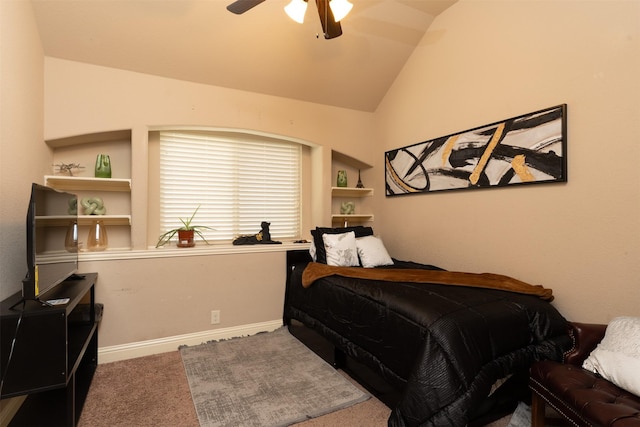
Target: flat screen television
52	240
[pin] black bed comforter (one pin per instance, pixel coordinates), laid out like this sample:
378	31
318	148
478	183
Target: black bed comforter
444	346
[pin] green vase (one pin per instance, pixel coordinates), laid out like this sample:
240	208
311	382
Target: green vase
342	179
103	166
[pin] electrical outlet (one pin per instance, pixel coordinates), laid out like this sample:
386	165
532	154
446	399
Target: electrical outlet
215	317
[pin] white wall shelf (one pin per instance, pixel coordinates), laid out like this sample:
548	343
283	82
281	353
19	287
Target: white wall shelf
346	193
351	218
361	197
90	138
79	183
116	192
351	192
63	221
107	219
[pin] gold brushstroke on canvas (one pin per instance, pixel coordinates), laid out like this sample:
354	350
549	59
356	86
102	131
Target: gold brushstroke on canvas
519	166
448	148
484	159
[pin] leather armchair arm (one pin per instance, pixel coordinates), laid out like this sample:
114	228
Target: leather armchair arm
586	337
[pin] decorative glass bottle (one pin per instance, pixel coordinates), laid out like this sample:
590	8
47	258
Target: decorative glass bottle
71	239
341	181
97	239
103	166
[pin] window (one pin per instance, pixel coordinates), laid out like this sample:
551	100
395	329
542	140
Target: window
237	182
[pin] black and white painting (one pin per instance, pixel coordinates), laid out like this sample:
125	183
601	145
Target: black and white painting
522	150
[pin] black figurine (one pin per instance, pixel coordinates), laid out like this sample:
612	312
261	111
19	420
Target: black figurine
359	184
261	238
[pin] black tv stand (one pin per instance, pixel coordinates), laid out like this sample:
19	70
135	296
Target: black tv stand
23	301
50	353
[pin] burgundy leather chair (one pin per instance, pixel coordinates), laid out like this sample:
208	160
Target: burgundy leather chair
580	396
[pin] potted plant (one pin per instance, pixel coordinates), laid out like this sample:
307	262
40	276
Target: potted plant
185	233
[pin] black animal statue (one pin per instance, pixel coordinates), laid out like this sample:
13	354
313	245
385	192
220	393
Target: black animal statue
261	238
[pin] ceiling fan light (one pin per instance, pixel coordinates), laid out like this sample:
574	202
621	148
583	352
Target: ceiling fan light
296	10
340	8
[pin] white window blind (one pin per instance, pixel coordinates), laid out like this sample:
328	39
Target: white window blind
237	184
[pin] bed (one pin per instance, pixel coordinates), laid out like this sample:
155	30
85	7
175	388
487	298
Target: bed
445	352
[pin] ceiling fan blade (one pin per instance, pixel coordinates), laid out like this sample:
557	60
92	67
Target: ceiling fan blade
241	6
330	27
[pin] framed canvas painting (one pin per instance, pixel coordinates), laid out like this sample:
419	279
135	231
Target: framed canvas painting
527	149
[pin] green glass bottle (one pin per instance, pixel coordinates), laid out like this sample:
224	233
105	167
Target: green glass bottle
342	178
103	166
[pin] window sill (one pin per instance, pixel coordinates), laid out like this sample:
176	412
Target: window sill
198	250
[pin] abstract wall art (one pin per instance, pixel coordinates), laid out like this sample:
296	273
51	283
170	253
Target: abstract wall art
527	149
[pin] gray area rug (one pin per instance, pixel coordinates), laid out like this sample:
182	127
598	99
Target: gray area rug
268	379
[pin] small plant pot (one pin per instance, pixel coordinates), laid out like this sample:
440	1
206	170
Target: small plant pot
185	239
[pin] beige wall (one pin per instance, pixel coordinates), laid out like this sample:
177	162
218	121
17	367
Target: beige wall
23	157
82	98
483	61
148	299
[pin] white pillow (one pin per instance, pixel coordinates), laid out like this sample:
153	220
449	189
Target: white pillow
341	249
372	252
312	251
617	357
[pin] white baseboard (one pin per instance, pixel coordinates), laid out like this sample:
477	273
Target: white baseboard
163	345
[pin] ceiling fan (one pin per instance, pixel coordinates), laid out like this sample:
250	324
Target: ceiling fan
330	27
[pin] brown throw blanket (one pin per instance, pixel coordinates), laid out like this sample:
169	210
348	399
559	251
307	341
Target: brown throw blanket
315	271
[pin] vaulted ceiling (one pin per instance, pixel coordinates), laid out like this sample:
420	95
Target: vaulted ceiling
262	50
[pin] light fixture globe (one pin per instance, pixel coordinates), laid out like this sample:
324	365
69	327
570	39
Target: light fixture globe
296	10
340	9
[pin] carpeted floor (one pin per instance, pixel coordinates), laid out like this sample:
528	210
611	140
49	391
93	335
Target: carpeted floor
146	391
153	391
